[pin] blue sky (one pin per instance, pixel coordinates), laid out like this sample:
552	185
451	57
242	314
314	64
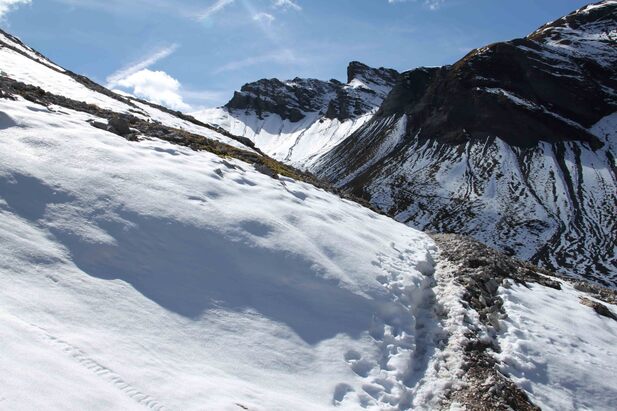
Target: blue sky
190	54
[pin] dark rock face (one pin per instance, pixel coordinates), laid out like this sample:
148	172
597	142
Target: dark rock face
362	72
332	99
521	90
500	146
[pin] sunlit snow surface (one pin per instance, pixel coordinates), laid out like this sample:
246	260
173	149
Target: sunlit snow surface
559	351
146	274
44	74
299	144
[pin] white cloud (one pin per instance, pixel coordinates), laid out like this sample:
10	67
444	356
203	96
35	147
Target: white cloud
286	4
216	7
158	86
8	5
123	73
155	86
284	56
264	18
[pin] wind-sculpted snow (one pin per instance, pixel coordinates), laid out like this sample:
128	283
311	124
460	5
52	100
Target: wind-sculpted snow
147	274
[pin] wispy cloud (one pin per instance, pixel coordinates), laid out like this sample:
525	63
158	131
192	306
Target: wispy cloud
286	4
8	5
264	18
189	10
283	56
216	7
431	4
148	61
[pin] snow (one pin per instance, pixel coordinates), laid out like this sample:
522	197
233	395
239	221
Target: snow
606	130
299	144
511	96
559	351
37	71
143	274
28	51
22	68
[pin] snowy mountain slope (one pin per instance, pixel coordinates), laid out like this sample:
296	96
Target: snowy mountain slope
21	63
135	267
547	351
299	120
513	145
139	275
144	271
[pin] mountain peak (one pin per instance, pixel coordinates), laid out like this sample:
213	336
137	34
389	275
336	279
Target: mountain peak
364	74
294	99
356	69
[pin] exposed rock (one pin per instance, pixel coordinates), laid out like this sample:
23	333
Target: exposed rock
101	125
119	126
292	99
264	169
599	308
480	270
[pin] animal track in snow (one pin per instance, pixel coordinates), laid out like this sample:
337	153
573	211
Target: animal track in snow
107	374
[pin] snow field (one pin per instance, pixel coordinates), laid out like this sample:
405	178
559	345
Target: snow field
559	351
299	144
146	275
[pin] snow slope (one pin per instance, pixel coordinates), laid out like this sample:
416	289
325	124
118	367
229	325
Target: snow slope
563	356
20	63
299	144
138	275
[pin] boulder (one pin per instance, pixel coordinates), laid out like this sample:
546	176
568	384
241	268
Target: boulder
119	125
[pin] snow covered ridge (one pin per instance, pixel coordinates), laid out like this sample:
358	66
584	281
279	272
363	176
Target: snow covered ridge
20	63
587	32
298	121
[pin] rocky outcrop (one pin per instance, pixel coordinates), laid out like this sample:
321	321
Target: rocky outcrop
293	99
